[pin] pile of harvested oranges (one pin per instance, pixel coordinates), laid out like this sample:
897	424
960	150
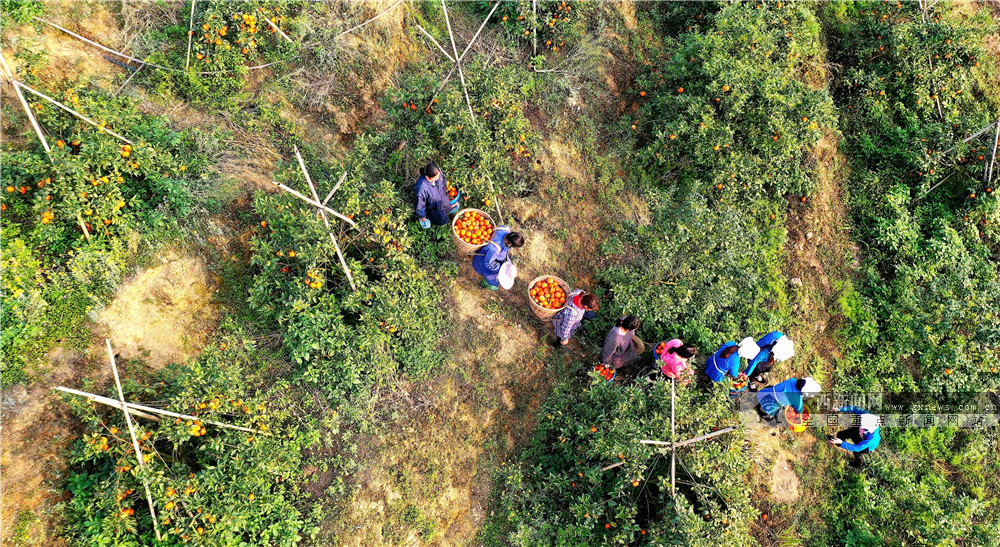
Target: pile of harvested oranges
452	192
474	228
548	294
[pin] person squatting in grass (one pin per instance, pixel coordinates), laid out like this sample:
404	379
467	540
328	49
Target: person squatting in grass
579	306
621	345
859	440
676	359
433	204
774	346
726	361
792	392
488	260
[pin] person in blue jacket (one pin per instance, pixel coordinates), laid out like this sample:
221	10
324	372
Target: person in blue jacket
433	203
724	362
792	392
764	361
488	260
859	440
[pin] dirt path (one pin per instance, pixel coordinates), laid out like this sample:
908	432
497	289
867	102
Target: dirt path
160	315
430	474
818	241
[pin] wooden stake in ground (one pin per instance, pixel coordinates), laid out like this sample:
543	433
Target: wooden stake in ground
141	410
468	48
461	75
278	30
314	203
187	60
135	441
27	109
322	213
993	158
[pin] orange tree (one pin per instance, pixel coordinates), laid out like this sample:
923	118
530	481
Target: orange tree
210	485
227	39
95	182
559	495
928	219
924	315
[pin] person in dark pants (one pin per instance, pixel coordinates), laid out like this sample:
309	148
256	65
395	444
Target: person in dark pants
859	440
433	204
488	260
621	345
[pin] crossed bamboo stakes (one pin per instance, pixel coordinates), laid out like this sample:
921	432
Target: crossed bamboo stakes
142	411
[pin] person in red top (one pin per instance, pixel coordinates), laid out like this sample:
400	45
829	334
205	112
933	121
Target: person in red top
675	358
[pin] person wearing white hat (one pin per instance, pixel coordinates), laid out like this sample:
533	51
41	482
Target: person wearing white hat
859	440
774	346
792	392
726	361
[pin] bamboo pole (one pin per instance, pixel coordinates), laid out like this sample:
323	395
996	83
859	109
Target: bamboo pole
27	109
335	187
534	27
673	438
461	74
326	221
71	111
383	12
993	159
86	232
468	48
133	408
496	199
441	49
187	60
692	440
314	203
612	466
278	30
135	441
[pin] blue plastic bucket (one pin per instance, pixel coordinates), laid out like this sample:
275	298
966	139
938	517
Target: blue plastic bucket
457	202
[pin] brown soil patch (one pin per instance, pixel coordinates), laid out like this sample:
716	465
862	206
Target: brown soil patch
163	314
37	430
69	59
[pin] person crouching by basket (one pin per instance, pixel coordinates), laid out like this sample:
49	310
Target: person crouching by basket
676	360
488	260
433	204
579	304
792	392
621	345
774	346
859	440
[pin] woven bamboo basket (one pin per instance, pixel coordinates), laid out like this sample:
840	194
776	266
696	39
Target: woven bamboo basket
464	247
545	314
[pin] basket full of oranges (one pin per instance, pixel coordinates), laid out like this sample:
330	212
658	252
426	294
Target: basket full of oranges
606	372
471	229
547	295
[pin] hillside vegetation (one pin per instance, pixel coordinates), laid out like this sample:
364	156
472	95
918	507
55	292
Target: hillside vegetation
719	170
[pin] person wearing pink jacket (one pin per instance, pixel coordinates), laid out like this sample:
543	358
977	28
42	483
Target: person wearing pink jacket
675	360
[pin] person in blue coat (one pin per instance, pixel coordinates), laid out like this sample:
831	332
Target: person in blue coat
488	260
792	392
764	361
724	362
433	203
859	440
